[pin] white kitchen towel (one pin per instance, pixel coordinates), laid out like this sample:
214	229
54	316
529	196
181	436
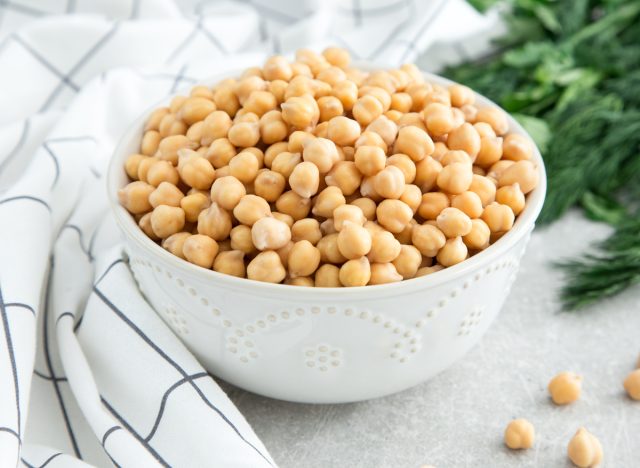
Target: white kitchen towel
89	374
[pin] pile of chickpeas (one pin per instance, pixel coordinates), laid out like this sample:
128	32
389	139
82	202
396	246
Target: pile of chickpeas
315	173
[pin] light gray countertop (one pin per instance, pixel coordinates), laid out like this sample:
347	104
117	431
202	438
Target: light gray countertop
457	418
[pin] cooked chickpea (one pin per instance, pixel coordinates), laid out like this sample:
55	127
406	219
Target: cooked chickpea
424	271
632	384
438	119
345	176
343	131
327	276
171	125
304	179
453	252
412	196
427	171
401	102
285	163
405	164
408	261
394	215
337	56
322	152
386	128
230	262
174	242
370	160
432	204
523	173
214	222
389	182
194	170
153	122
150	142
453	222
465	138
135	197
250	209
367	109
227	191
244	167
327	201
413	142
484	188
427	239
461	95
383	273
355	272
293	204
479	235
200	250
519	434
490	151
329	251
512	196
193	204
144	223
367	206
497	169
162	171
353	240
385	247
132	163
220	152
455	156
269	185
166	220
584	449
565	388
347	92
469	203
244	134
348	213
304	259
241	239
517	147
494	117
269	233
169	147
306	229
455	178
166	194
196	108
498	217
266	266
300	111
216	125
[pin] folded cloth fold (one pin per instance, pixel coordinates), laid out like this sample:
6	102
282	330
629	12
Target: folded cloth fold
89	374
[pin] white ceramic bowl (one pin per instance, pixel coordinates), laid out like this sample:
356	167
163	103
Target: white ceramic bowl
324	345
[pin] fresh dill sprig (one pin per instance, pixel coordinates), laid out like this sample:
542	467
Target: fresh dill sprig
569	70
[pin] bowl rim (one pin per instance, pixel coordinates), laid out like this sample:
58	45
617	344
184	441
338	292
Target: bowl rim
522	227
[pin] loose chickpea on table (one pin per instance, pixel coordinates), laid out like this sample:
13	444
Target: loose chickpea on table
314	173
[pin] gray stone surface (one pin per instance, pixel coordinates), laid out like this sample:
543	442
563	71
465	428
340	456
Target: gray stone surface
457	418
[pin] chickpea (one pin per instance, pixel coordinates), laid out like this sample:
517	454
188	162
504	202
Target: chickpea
330	107
519	434
355	272
367	109
337	56
495	171
301	69
432	204
438	119
135	197
244	167
214	222
285	218
272	127
194	132
227	191
370	160
384	247
345	176
484	130
367	206
220	152
329	251
193	204
225	99
200	250
385	127
517	147
269	233
162	171
306	229
241	239
304	179
438	94
455	156
144	223
401	102
195	109
166	220
484	188
353	240
244	134
369	138
327	201
523	173
413	142
300	281
455	178
194	170
144	166
321	152
304	259
347	92
347	213
394	215
285	163
565	388
424	271
498	217
171	125
469	203
454	222
293	204
465	138
269	185
490	151
479	235
453	252
169	146
383	273
427	239
404	236
230	262
277	68
412	196
389	182
408	261
343	131
494	117
427	171
250	209
165	194
216	125
584	449
266	266
461	95
512	196
174	242
469	113
632	384
132	163
327	276
153	122
300	111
